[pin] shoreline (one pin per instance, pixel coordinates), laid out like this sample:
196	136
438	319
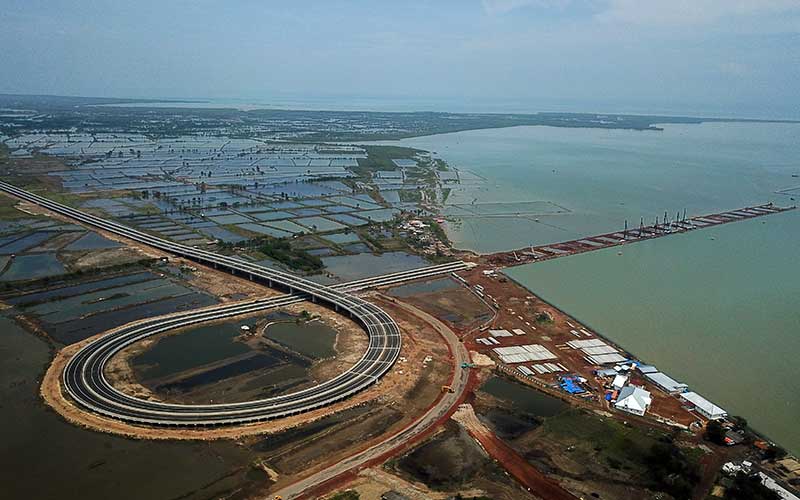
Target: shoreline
600	334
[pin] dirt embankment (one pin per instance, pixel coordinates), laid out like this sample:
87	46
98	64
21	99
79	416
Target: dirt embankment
219	283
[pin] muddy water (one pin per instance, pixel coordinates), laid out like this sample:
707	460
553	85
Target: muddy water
524	398
210	363
419	288
313	339
45	457
24	267
192	348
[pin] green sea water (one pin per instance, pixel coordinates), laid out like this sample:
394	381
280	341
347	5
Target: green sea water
717	308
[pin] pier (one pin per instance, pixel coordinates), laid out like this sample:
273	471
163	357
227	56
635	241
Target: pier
659	228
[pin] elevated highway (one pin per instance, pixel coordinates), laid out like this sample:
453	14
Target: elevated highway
84	379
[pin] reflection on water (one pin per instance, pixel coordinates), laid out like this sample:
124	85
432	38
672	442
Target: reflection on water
716	308
524	398
46	457
313	339
25	267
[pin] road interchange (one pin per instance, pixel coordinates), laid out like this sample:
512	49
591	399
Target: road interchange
84	379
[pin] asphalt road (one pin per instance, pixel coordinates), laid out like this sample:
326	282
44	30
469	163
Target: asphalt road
84	378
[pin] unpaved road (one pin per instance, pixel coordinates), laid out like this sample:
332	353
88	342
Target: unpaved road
448	402
527	475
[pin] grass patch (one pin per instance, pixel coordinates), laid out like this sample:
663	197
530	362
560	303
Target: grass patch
8	210
410	196
610	439
380	158
281	250
346	495
647	457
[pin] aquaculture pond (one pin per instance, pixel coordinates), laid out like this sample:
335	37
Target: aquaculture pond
25	267
524	398
421	287
190	349
313	339
351	267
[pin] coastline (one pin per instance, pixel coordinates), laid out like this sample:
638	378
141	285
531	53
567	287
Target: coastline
612	342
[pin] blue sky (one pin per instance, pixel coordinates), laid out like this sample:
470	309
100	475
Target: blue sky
718	57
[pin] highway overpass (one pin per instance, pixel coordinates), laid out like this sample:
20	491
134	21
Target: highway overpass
84	379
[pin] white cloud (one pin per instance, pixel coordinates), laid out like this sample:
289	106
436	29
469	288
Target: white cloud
692	12
500	7
734	68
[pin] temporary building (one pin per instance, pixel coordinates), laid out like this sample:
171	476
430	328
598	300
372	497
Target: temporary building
634	400
666	382
619	381
703	406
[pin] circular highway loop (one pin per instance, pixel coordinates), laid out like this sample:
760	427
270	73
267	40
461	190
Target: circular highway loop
84	378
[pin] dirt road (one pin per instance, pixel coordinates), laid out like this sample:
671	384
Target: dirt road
527	475
394	442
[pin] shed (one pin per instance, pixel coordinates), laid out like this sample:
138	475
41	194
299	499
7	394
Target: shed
666	382
704	406
619	381
606	372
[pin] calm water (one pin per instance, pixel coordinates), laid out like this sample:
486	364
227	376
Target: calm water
44	456
722	314
602	177
314	339
523	397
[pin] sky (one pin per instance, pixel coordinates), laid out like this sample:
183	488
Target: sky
697	57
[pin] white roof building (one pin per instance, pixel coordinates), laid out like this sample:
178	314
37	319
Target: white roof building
619	381
633	400
666	382
703	406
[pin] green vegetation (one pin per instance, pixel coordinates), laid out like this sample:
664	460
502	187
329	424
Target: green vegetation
380	158
438	232
281	250
715	432
640	455
346	495
747	487
8	210
372	240
671	470
544	317
774	452
17	286
611	440
410	195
